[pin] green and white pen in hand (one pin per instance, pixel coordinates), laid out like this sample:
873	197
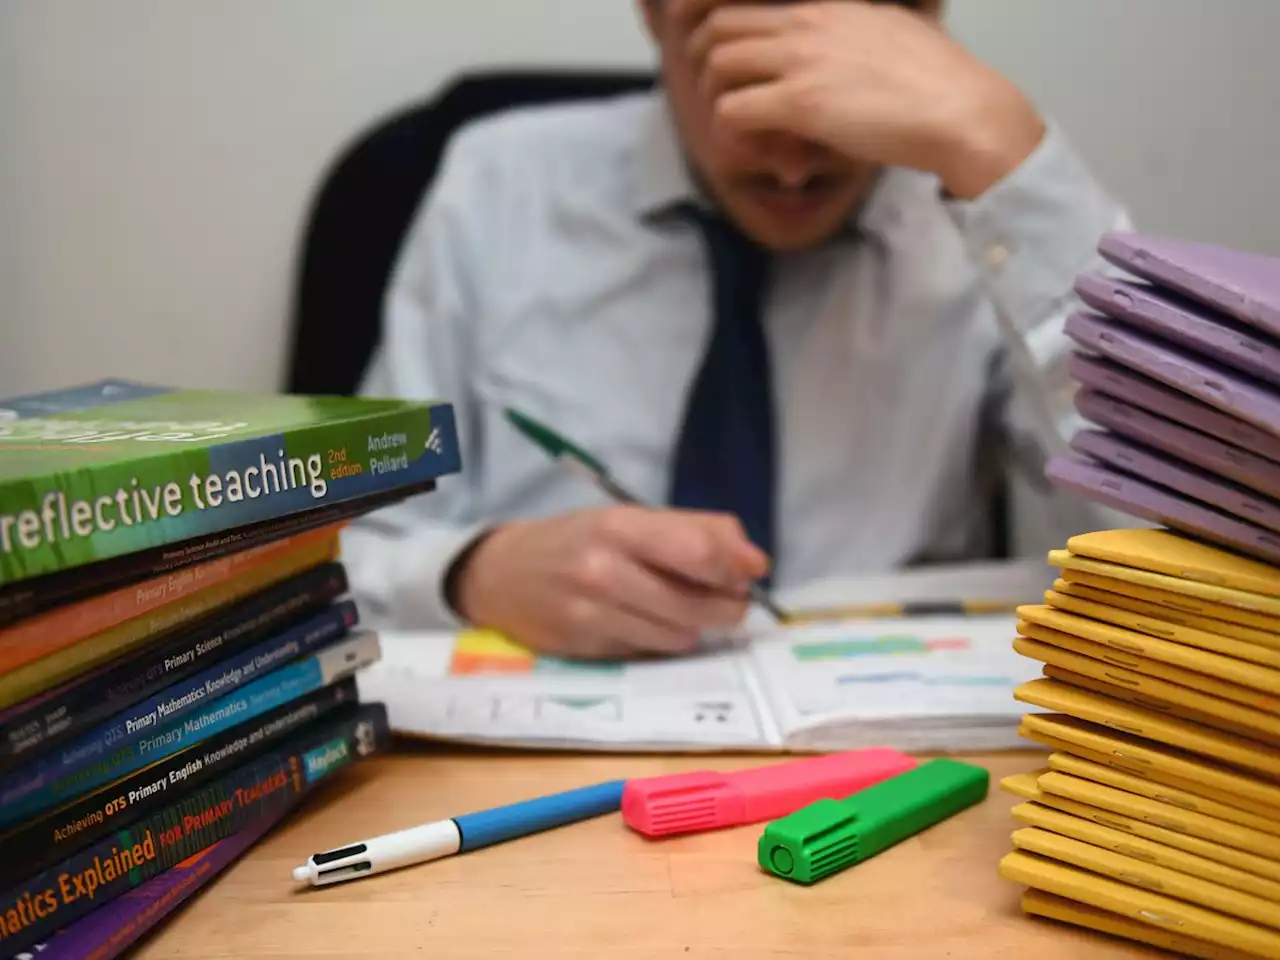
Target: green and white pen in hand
559	448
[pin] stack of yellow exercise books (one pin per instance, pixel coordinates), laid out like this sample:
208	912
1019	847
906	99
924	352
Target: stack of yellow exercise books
1157	815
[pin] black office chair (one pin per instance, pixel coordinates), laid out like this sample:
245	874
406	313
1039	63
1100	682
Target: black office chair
366	201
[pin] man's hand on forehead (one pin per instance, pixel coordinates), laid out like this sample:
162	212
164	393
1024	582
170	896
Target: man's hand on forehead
879	83
756	55
735	44
689	14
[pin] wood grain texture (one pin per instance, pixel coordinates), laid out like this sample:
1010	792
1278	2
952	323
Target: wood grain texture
597	889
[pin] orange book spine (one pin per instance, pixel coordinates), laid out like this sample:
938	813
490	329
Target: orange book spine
39	675
50	632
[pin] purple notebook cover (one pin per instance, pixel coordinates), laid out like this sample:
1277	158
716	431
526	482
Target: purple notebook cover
114	928
1184	323
1123	384
1229	391
1243	285
1145	464
1097	483
1218	458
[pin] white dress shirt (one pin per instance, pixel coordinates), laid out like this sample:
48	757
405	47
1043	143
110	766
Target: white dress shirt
539	274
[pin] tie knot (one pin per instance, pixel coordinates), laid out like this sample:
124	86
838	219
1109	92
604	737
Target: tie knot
731	249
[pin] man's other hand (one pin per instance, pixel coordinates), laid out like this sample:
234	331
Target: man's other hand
616	582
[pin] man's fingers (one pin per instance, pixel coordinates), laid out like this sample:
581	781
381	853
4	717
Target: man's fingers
749	560
688	14
742	62
726	538
602	630
684	608
762	107
681	544
735	21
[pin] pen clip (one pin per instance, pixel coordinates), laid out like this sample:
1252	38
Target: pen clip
338	853
344	872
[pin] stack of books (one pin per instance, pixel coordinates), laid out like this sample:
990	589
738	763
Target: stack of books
1157	818
178	649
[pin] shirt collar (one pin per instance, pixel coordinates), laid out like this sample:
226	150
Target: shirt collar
664	179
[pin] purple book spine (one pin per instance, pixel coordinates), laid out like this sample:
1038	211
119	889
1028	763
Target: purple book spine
112	929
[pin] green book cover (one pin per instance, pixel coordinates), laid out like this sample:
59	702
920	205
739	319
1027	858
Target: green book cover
115	467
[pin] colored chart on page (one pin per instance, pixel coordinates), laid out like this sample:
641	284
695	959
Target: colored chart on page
487	652
878	670
892	644
905	646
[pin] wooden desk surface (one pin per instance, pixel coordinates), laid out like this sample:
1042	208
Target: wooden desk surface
595	889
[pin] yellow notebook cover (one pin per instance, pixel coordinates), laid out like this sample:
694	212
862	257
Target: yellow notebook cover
1230	669
1243	599
1161	551
1177	602
1213	686
1137	688
1109	712
1159	780
1160	814
1038	903
1149	876
1145	701
1125	844
1154	909
1236	631
1023	785
1163	629
1198	775
1086	769
1218	852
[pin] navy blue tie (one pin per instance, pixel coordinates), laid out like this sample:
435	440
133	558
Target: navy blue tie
725	456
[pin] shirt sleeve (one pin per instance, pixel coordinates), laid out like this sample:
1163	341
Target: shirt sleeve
1028	238
398	558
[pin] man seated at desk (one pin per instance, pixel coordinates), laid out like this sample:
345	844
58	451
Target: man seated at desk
768	295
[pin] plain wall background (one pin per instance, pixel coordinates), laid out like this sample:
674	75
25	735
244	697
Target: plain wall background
157	156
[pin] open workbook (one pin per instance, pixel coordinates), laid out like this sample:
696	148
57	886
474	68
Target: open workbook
927	683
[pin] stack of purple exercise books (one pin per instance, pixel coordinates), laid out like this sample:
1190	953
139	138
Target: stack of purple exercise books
1179	374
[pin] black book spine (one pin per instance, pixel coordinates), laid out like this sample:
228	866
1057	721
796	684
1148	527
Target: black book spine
29	597
54	836
55	716
263	788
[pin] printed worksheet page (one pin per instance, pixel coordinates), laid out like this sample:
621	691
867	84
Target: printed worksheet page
478	687
923	683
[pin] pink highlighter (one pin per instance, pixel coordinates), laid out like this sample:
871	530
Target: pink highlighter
707	800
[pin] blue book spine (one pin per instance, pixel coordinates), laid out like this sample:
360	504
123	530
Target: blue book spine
181	698
51	836
339	660
264	788
62	714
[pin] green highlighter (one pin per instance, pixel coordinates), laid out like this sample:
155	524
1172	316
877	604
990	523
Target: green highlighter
829	835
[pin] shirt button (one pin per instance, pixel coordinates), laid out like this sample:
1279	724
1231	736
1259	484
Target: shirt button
997	255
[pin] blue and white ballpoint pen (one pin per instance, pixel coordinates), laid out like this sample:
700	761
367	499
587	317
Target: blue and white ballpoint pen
461	834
